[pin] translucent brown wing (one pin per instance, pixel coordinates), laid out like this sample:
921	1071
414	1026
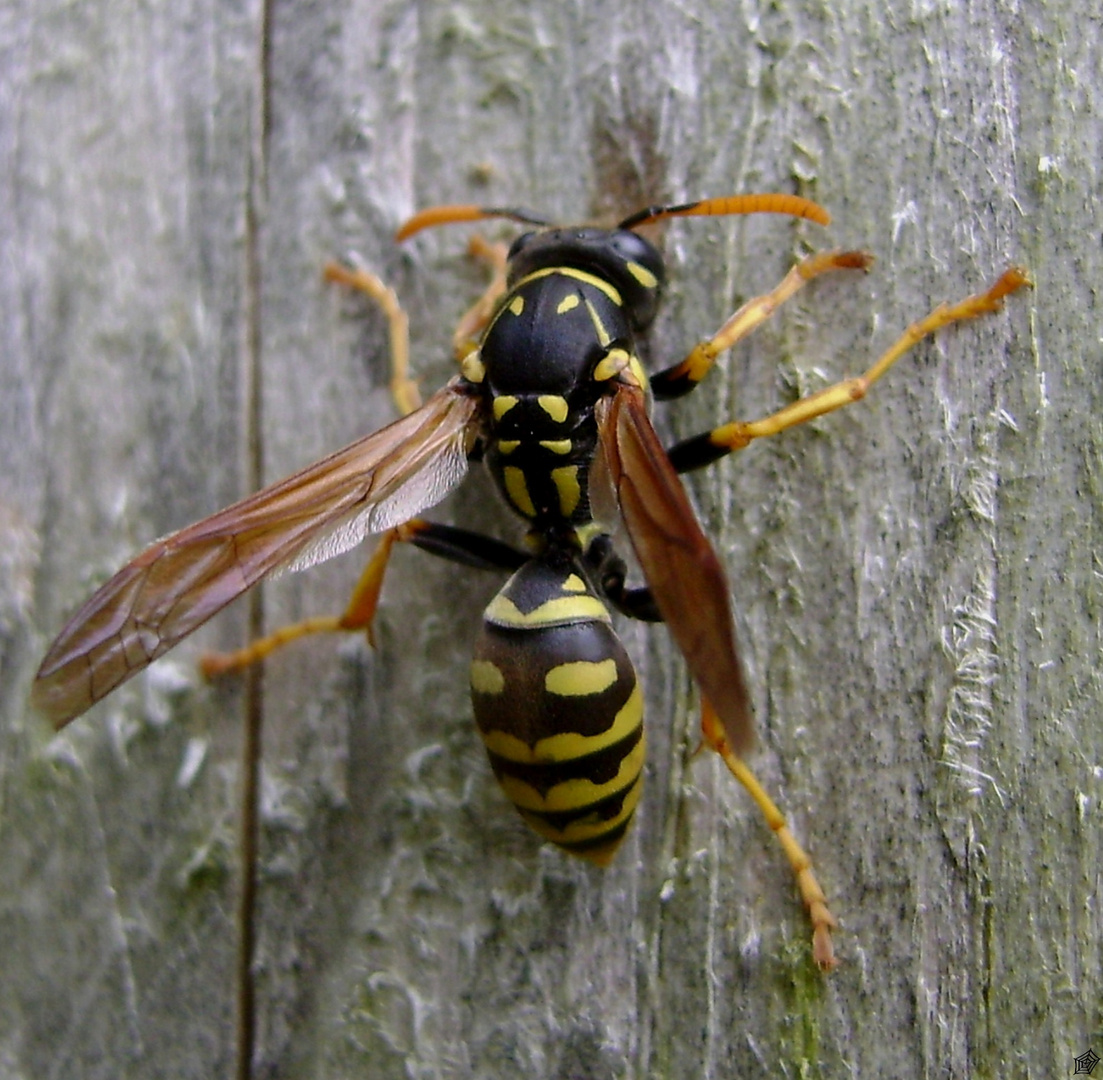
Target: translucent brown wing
178	583
683	572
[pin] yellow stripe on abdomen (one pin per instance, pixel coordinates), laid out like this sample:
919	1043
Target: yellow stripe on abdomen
560	710
578	792
566	745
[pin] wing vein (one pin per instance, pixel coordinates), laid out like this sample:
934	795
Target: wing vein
179	582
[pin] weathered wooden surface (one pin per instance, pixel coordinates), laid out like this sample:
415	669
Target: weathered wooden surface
918	577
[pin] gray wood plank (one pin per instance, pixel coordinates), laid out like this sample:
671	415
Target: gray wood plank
917	577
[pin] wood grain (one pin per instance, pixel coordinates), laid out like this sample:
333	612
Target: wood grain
917	576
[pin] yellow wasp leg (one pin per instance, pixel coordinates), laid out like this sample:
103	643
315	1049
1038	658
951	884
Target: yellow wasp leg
823	922
360	612
736	435
356	617
365	596
403	389
458	545
684	376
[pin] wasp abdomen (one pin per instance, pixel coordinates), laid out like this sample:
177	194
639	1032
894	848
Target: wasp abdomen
559	709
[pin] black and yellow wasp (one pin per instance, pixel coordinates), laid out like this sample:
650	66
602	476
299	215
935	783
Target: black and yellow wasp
552	396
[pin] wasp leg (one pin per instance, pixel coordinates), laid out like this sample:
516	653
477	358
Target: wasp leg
680	379
462	546
458	545
403	389
706	448
610	571
638	603
361	609
468	548
823	922
357	616
465	339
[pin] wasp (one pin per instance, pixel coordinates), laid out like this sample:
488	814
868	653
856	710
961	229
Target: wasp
551	395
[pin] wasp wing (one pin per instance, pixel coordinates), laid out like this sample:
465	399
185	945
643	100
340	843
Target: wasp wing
178	583
683	571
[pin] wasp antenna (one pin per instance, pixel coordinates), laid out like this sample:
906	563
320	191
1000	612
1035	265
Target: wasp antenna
449	215
767	203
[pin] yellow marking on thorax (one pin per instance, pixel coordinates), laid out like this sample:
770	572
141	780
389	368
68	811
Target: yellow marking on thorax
568	303
472	367
568	487
555	406
618	363
603	335
581	678
507	446
579	275
557	446
612	364
573	583
641	274
586	532
502	404
568	745
517	304
487	678
518	490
